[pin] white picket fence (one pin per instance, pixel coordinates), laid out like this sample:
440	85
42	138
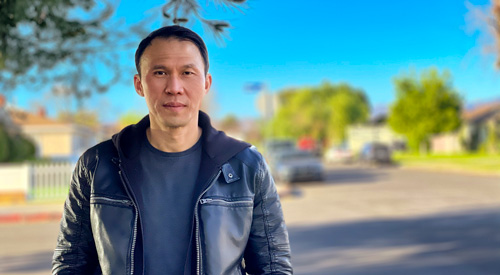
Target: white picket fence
39	181
50	180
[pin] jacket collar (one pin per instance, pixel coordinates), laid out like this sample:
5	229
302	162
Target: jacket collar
217	145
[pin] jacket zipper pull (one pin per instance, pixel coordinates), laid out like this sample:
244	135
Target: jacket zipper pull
203	201
116	161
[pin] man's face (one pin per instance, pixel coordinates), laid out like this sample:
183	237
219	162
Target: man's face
173	82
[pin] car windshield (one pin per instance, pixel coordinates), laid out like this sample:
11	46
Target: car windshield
279	145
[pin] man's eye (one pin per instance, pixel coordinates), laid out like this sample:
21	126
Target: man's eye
188	73
159	73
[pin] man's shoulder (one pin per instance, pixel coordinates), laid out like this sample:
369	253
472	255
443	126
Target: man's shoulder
251	157
103	149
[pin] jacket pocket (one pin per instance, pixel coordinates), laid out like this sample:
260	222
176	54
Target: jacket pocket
112	221
225	225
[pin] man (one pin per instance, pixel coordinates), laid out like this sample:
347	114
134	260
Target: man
170	194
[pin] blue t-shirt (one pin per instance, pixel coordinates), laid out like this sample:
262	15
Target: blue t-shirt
165	201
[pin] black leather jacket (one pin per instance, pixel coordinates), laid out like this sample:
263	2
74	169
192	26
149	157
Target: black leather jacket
238	221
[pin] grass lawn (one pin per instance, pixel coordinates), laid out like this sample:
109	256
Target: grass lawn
50	193
484	164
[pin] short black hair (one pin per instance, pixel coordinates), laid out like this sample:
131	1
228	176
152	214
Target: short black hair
177	32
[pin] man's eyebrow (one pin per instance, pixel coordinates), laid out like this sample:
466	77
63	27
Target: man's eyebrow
190	65
156	67
162	67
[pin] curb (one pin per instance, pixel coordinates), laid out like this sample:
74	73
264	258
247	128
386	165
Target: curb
440	169
29	217
284	191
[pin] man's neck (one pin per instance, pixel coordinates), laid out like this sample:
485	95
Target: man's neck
173	140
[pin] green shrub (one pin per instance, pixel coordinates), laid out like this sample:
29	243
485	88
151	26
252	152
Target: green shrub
15	147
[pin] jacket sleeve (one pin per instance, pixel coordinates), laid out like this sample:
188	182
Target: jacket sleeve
268	248
75	252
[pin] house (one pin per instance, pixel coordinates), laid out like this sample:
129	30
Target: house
480	131
359	135
482	127
376	130
54	139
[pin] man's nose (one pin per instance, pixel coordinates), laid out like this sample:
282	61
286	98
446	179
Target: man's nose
174	85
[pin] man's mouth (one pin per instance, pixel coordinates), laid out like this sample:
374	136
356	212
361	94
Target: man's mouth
174	105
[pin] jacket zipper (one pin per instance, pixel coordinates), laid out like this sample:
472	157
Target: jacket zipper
134	237
197	223
205	201
127	202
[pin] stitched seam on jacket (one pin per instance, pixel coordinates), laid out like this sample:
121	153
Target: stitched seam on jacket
266	224
79	254
82	188
260	172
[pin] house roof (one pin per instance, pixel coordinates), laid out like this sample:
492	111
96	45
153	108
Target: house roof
21	118
482	111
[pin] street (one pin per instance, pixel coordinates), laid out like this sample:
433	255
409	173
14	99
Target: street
27	248
358	221
394	221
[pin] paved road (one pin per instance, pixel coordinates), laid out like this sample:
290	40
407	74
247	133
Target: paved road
393	221
359	221
27	248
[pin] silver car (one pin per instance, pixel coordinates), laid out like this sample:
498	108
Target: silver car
297	165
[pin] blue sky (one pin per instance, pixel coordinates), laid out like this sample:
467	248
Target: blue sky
293	43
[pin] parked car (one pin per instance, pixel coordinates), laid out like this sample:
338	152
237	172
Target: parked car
309	144
338	154
375	153
276	146
399	146
273	148
297	165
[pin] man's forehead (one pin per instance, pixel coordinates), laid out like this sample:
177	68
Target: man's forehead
155	43
157	50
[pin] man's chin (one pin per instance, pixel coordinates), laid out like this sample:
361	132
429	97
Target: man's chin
175	123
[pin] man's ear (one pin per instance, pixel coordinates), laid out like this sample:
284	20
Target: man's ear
138	85
208	82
